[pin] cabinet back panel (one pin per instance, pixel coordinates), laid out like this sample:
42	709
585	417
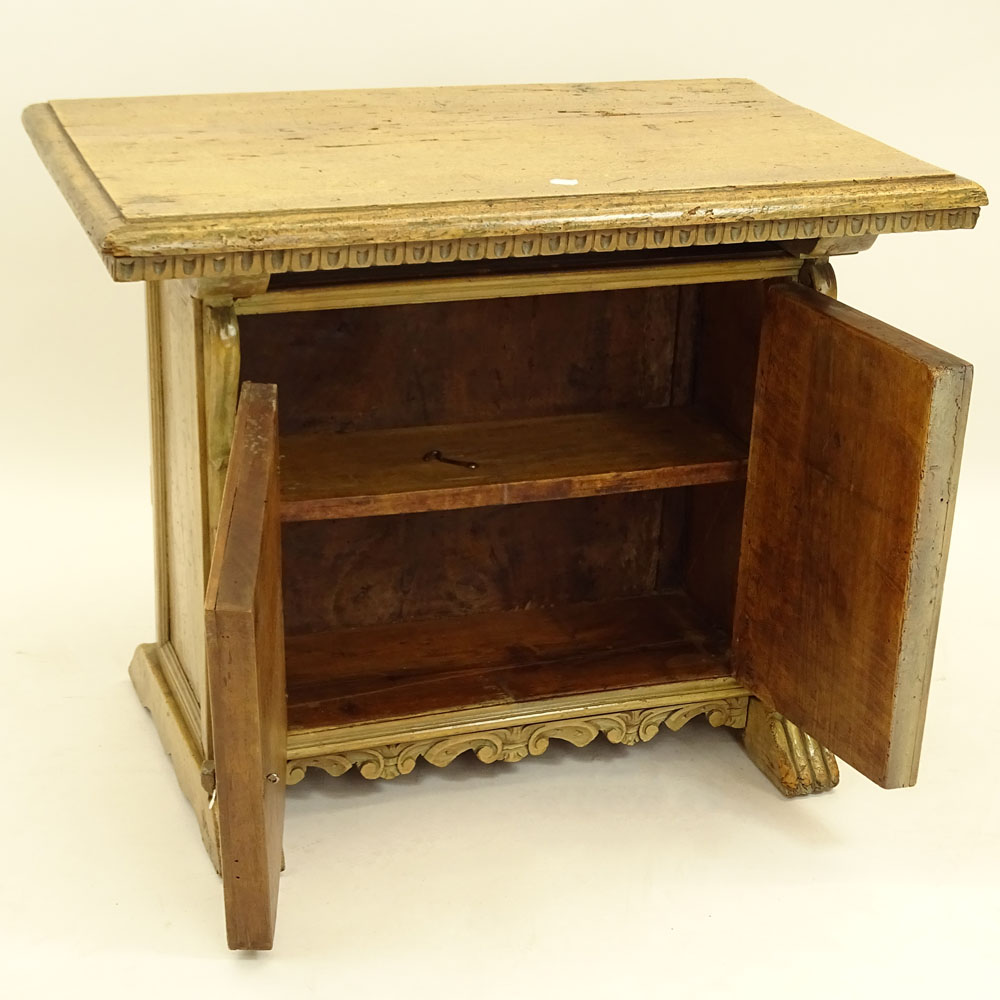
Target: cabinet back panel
456	362
381	570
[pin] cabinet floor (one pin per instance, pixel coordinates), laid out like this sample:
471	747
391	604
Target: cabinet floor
415	668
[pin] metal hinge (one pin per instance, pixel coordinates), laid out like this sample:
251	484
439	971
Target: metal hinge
208	780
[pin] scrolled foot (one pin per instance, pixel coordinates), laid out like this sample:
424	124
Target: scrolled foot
795	763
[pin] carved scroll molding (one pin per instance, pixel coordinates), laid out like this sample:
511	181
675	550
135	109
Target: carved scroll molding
795	763
247	263
819	275
514	743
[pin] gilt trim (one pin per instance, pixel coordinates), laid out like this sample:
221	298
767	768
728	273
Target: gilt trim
246	263
793	761
515	743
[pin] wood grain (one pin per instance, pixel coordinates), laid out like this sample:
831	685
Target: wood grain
725	381
853	468
455	362
247	674
497	628
416	668
90	201
368	473
245	173
709	568
378	570
726	348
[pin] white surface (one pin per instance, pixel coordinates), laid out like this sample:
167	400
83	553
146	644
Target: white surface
667	870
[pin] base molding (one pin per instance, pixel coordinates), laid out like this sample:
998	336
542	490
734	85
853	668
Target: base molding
795	763
149	680
515	742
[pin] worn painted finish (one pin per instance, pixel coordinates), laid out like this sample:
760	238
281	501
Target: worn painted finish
358	295
222	184
156	686
720	701
794	762
499	628
179	496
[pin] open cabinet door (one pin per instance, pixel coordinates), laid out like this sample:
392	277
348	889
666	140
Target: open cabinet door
246	673
854	456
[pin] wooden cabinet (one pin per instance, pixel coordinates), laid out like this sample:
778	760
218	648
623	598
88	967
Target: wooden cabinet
489	417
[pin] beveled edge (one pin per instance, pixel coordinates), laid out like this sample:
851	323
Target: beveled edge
91	204
225	246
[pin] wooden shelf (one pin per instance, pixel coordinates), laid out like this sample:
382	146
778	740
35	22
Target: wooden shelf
385	672
326	475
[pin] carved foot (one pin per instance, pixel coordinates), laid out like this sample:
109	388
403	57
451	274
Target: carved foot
793	760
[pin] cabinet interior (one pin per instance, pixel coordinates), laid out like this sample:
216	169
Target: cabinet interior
594	546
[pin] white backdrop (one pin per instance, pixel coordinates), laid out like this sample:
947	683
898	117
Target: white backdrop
665	869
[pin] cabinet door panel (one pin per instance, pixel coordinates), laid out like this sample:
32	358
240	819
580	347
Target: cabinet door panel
854	457
246	673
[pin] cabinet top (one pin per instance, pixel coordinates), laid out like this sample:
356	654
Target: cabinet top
250	184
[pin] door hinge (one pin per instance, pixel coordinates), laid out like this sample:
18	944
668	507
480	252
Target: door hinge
208	780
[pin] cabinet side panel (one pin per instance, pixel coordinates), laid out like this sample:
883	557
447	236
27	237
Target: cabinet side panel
727	343
183	489
158	483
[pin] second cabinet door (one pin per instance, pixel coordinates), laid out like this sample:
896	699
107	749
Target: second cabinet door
854	457
246	673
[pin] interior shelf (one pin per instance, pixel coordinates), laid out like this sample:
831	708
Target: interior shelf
375	673
327	475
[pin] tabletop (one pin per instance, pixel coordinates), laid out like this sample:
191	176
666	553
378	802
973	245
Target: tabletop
269	181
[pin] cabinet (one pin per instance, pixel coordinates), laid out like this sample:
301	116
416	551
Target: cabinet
486	417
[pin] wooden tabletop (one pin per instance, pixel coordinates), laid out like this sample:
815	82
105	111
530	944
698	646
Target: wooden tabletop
271	181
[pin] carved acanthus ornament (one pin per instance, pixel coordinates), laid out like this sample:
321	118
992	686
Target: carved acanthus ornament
514	743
